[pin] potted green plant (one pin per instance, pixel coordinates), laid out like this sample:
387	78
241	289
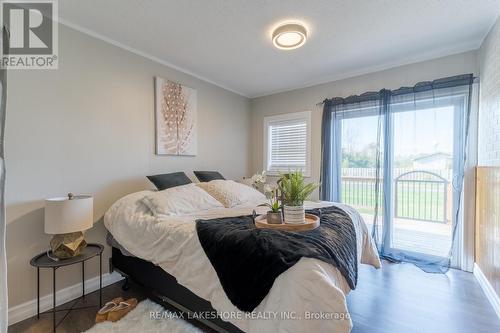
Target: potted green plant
274	215
294	191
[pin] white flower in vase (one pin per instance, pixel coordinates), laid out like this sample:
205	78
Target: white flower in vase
258	180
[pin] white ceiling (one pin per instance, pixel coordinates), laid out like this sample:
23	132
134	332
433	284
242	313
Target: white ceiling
228	42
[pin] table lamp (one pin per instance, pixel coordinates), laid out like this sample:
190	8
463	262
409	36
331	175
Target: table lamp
66	218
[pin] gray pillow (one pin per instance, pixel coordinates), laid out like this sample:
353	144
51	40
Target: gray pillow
168	180
206	176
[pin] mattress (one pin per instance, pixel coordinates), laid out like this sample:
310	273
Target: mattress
111	241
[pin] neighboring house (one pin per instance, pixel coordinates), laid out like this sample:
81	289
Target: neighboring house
436	161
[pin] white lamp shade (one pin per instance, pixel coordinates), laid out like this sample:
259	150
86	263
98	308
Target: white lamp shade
64	215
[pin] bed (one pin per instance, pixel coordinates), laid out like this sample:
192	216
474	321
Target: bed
164	254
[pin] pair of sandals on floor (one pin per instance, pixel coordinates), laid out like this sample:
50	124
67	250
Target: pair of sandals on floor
115	310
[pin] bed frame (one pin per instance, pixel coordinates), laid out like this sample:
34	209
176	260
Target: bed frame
164	289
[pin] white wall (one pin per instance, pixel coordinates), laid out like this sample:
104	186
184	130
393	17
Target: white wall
489	114
88	127
488	230
307	98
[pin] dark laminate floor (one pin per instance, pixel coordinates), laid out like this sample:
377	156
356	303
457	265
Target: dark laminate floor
78	320
396	299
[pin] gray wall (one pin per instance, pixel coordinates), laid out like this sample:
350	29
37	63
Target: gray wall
307	98
88	127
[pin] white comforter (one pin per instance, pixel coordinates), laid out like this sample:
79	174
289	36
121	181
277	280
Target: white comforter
311	288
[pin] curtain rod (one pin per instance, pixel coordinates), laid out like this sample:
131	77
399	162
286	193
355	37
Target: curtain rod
475	79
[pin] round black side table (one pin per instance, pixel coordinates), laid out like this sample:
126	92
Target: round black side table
44	261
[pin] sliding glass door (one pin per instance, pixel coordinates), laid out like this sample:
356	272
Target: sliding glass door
420	150
359	144
422	175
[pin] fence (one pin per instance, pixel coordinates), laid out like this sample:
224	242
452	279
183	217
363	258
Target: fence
419	195
370	172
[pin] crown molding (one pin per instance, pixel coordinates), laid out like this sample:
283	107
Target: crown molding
148	56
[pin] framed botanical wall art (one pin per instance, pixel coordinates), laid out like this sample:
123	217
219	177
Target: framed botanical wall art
176	118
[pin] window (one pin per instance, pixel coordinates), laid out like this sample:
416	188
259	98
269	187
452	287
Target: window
287	143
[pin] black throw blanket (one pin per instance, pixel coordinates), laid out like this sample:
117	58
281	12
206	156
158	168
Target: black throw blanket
248	260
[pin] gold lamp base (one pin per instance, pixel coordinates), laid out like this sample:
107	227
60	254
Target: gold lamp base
69	245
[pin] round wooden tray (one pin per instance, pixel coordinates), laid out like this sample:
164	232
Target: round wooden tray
312	222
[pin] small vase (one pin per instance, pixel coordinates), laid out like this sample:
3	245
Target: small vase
274	218
294	214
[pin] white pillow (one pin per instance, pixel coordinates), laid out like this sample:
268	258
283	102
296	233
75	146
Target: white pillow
231	193
180	200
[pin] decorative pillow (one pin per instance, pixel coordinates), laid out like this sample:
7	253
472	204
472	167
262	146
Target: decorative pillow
206	176
180	200
231	193
169	180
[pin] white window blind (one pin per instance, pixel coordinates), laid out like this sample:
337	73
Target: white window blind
288	143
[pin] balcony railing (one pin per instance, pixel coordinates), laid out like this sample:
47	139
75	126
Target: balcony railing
419	195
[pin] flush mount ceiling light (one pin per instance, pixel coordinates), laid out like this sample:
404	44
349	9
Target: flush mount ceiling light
289	36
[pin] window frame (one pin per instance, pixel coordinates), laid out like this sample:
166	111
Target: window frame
268	120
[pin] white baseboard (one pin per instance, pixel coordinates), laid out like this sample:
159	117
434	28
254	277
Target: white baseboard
488	289
28	309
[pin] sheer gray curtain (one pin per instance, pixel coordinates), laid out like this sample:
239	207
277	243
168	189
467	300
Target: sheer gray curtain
3	259
450	92
334	110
